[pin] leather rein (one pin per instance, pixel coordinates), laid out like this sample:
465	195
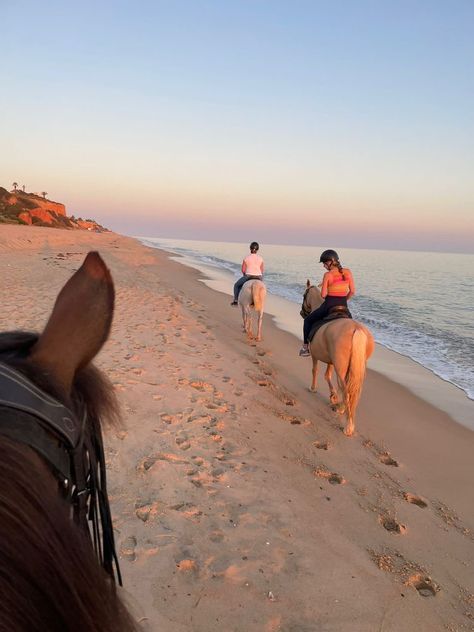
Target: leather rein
76	459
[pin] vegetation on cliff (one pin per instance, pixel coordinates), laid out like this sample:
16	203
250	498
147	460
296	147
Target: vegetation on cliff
20	207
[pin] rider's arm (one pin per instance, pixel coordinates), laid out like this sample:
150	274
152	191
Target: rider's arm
244	266
262	267
324	287
352	289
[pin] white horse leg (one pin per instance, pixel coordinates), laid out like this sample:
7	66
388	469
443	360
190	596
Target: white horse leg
332	391
244	319
248	322
313	386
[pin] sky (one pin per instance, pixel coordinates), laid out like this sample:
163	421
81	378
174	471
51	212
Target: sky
348	122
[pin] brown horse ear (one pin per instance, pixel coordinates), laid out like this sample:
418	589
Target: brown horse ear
308	283
80	322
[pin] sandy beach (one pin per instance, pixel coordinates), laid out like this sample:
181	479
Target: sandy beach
238	503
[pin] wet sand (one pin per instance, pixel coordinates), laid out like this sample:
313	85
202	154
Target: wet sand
238	502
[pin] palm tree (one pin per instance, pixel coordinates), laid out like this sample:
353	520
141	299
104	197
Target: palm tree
44	194
14	185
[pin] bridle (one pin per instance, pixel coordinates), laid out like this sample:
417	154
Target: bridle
75	456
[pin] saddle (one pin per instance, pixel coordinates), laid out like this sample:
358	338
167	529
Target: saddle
336	312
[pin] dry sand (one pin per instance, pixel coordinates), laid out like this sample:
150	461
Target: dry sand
239	505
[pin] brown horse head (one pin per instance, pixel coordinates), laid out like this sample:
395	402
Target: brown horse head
51	578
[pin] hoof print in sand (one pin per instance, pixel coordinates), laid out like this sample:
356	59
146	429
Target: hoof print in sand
182	443
321	445
415	500
148	462
391	525
331	477
386	459
144	510
170	419
425	586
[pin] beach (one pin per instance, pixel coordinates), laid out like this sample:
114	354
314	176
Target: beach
238	503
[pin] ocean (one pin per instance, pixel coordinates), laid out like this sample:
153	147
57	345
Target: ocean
419	304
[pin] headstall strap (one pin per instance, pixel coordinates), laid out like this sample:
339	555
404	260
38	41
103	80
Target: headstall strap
76	458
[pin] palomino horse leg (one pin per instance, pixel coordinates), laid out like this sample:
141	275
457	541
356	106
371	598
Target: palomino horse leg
332	391
259	326
313	386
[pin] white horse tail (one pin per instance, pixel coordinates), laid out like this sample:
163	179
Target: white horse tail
258	295
356	371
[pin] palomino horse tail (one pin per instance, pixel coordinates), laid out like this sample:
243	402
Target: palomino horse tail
356	372
258	296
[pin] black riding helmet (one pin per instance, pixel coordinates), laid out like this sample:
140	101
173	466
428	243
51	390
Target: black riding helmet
328	255
254	246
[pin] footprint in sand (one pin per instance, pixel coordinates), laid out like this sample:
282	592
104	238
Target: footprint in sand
171	418
182	443
144	510
415	500
127	548
321	445
386	459
425	586
331	477
391	525
149	461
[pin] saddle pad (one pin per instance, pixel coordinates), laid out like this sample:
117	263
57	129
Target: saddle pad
334	314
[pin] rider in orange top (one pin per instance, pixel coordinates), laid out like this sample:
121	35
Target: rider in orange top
337	287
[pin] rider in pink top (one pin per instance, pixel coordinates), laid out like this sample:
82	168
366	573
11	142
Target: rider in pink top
252	268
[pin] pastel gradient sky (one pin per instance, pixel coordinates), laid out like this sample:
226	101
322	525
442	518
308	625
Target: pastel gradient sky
344	122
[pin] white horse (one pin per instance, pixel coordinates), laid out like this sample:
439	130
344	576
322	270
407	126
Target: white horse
252	294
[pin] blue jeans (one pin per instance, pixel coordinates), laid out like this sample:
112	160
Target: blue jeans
238	284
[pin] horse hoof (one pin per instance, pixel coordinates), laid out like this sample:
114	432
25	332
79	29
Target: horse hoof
312	389
348	432
258	339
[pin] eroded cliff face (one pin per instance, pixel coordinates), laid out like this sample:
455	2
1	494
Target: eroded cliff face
28	208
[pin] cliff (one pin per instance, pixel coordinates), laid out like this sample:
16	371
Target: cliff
19	207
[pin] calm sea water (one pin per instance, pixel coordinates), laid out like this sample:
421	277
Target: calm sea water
419	304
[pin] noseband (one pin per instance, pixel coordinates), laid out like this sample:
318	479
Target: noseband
75	458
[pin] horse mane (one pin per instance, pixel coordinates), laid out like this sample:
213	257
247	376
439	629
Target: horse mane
50	578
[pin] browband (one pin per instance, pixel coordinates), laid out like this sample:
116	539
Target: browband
16	391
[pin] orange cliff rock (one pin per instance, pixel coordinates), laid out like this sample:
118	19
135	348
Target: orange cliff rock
28	208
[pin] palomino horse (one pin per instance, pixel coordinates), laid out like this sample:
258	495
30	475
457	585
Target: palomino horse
252	294
52	468
345	345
